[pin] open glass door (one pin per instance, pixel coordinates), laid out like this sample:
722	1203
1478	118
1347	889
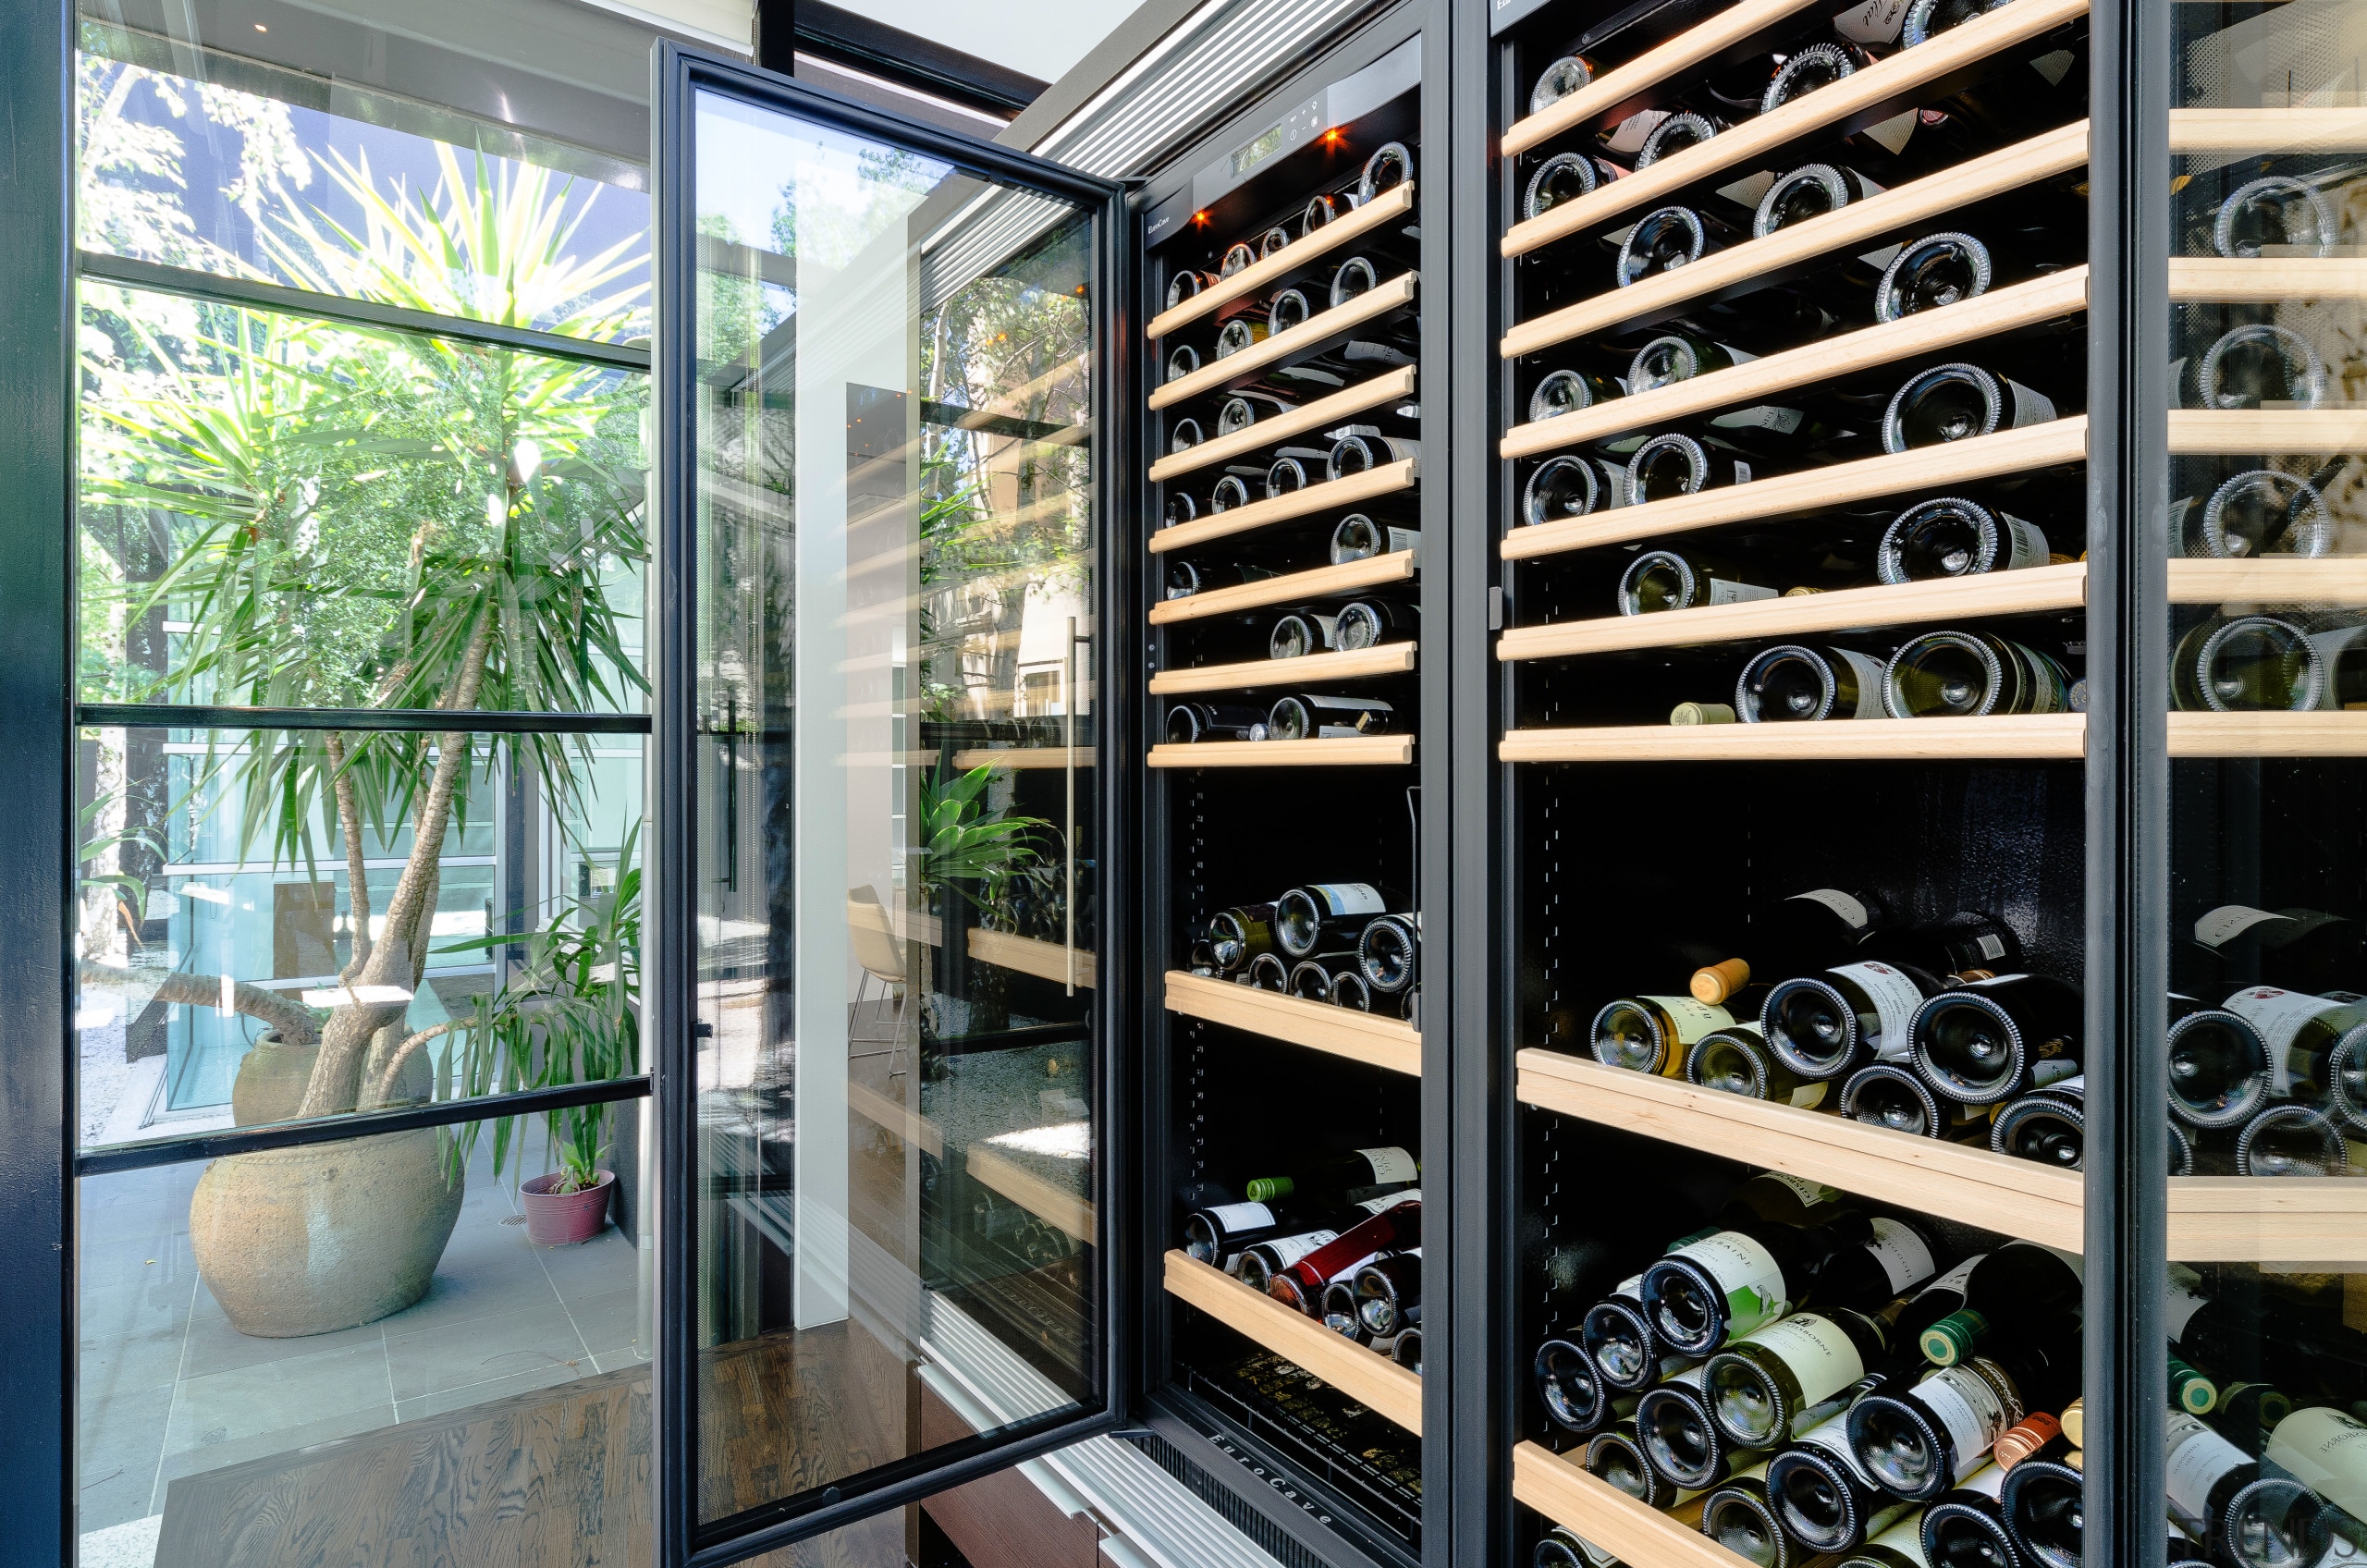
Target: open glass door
881	455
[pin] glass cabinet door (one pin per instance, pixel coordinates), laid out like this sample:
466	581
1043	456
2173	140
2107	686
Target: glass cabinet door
890	567
2266	1293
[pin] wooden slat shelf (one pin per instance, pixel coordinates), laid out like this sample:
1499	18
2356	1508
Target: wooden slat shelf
1627	88
1029	955
1332	494
2201	735
1389	658
2265	280
2270	580
1350	750
1334	410
1390	1042
1232	371
1398	566
1925	332
1397	201
2032	591
2240	432
2038	1203
1863	98
1363	1374
1761	263
1920	471
889	1113
1602	1514
1054	1205
2020	736
2268	130
1023	757
2289	1220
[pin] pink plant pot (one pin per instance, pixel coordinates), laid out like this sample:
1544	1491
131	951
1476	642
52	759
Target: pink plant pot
566	1220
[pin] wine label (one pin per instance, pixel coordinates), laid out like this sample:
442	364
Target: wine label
1891	995
1904	1259
1349	898
2228	922
2279	1016
1725	592
1892	132
1766	416
1390	1200
2053	1070
1389	1163
2030	408
1905	1538
1231	1217
1969	1410
1812	1194
2027	544
1833	1436
1955	1278
2197	1457
1988	1481
1631	1287
1807	1096
2325	1450
1693	1018
1848	909
1287	1250
1629	134
2178	1305
1746	1274
1823	1359
1742	471
2054	66
1868	672
1875	21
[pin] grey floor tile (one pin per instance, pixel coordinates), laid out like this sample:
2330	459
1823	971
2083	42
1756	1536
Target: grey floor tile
151	1305
613	1360
117	1445
115	1494
607	1262
116	1366
467	1288
433	1357
466	1394
275	1396
607	1322
216	1346
109	1257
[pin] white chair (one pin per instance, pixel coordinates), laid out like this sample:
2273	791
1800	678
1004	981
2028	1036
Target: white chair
882	956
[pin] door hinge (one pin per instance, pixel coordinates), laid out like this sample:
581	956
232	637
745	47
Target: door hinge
1495	609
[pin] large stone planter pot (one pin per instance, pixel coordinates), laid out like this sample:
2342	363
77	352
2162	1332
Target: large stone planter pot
308	1241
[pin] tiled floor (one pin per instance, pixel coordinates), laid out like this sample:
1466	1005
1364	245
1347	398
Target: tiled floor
169	1387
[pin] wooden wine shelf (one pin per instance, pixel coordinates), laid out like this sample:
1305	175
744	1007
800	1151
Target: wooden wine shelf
1349	751
1923	470
2274	279
2241	432
1861	99
2289	1220
2032	591
891	1115
2270	580
2268	130
1332	494
2199	735
1925	332
2020	736
1364	1375
1397	201
1628	88
1607	1517
1389	658
1234	369
1323	411
1028	955
1063	1210
1016	757
1368	1038
1761	263
1288	589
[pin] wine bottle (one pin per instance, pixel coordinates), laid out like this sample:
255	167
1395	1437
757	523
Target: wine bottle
1573	1396
1615	1455
1287	307
1366	623
1569	486
1901	1546
1300	632
1664	239
1707	1293
1822	1499
1926	19
1188	723
1777	1381
2346	1080
2245	1516
1287	476
1682	580
2298	1032
2325	1450
1238	257
1355	277
1679	356
1885	1094
1349	990
1619	1340
1270	971
1184	435
1357	537
1272	242
1965	1529
1352	455
1920	1441
1681	1443
1310	978
1241	333
1389	1293
1952	403
2256	365
1738	1516
1187	578
1339	1311
2289	1139
1300	1286
1187	284
2044	1505
1231	491
1987	1040
1652	1034
1303	715
1181	360
2183	1551
1794	683
1563	178
1735	1060
1389	952
1258	1263
1969	675
2274	215
1356	1177
1323	913
2249	664
1408	1349
2021	1292
2258	1338
1823	1025
1247	929
2050	1127
1814	929
1675	134
1809	191
1390	166
1818	66
1242	410
1949	536
1558	1547
2294	948
1220	1233
1181	507
2258	511
1569	390
1558	81
1321	208
1939	269
1676	464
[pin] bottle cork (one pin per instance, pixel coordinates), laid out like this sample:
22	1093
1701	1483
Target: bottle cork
1718	981
1701	713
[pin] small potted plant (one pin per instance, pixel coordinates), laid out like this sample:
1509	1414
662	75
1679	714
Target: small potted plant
570	1205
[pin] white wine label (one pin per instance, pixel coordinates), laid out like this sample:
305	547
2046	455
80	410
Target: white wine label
2325	1450
1892	132
2279	1016
2029	544
1807	1096
1725	592
1810	1193
1748	1275
1902	1253
1968	1409
1389	1163
2179	1307
1403	539
1742	471
1823	1359
2030	408
1746	192
1894	999
1989	1481
2054	66
1868	672
2197	1457
1628	135
1230	1217
2058	1070
1765	416
1905	1538
1693	1018
2228	922
1994	946
1631	1287
1287	1250
1593	1554
1840	904
1833	1435
1875	21
1955	1278
1390	1200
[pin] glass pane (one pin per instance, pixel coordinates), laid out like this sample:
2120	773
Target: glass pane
896	834
2267	941
242	1382
230	978
211	161
278	512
